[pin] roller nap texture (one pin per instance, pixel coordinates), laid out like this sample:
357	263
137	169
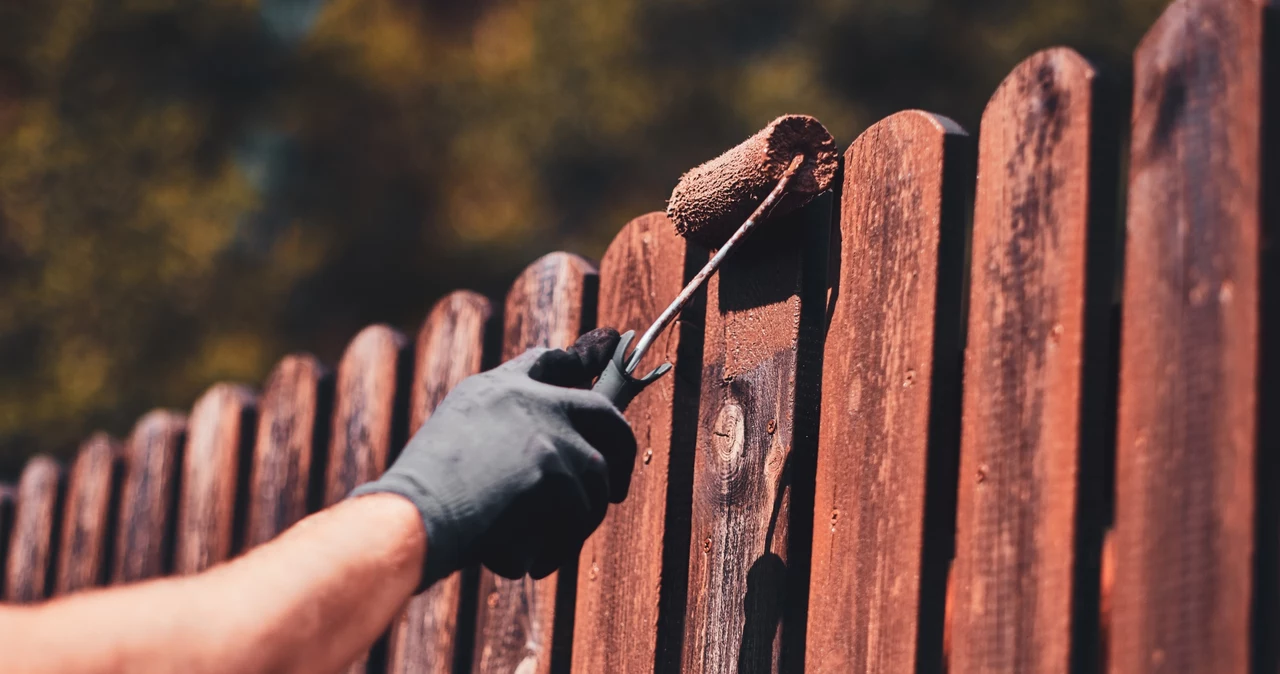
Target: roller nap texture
711	201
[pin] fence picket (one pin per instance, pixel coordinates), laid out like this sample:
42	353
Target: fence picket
1018	513
524	625
633	571
884	503
148	498
211	468
292	421
756	439
368	421
8	499
32	545
87	517
1185	487
431	635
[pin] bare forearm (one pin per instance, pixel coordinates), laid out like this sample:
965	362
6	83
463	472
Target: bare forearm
311	601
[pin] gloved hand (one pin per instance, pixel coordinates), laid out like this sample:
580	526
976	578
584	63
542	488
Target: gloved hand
514	468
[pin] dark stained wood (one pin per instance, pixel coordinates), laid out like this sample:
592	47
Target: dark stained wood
1185	488
1016	524
144	531
87	515
450	348
755	442
883	398
288	420
549	305
210	471
360	442
8	499
28	574
626	572
365	425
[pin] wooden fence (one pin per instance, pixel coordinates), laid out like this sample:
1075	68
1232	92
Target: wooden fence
897	439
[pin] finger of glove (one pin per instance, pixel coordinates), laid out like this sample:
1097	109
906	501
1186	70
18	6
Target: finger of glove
607	431
509	546
567	526
546	525
580	364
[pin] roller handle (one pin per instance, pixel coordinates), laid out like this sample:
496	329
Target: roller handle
619	386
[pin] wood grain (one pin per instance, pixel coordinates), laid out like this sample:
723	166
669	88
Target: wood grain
755	442
632	572
1016	525
1185	489
87	517
293	416
521	624
148	497
368	420
450	348
889	400
211	463
32	549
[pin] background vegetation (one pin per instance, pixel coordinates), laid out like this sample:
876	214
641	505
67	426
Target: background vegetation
190	189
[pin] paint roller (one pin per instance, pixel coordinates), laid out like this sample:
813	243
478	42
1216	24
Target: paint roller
779	169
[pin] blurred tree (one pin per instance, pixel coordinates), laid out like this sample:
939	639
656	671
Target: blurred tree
190	188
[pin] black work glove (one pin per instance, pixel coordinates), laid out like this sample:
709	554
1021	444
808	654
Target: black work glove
515	468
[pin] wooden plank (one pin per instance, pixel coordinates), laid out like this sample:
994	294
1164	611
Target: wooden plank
1185	488
1021	450
293	417
88	515
148	497
32	545
890	401
211	464
368	420
633	570
525	625
427	639
8	501
756	437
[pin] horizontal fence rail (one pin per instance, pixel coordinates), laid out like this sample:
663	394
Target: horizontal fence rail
896	439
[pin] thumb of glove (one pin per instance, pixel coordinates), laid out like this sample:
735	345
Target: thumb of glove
580	364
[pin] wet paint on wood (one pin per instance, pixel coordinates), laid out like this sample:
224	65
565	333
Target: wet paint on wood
450	348
883	514
525	625
88	516
293	420
217	440
33	543
632	574
1017	525
756	438
148	497
370	406
1185	487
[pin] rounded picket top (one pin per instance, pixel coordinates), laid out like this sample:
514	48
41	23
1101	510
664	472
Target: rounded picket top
450	346
545	305
218	433
292	415
144	543
31	544
366	396
87	514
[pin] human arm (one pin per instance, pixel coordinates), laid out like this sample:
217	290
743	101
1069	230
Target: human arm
309	601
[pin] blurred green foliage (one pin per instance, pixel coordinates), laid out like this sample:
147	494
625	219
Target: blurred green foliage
188	190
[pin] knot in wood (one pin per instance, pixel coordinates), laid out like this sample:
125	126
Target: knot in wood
727	439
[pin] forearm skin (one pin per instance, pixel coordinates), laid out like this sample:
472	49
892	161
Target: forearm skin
310	601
